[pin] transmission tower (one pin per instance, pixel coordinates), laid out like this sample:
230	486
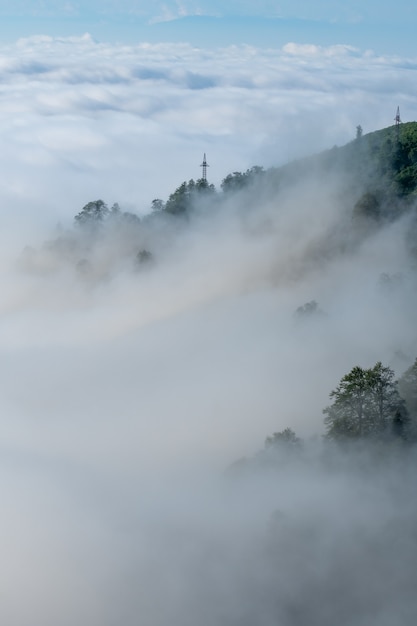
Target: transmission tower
204	165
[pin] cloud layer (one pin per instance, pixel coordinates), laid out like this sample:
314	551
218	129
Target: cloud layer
126	392
83	120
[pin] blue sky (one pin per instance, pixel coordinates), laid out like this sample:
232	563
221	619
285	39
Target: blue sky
377	25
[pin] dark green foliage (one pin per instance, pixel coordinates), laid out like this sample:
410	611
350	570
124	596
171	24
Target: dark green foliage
308	309
92	213
186	196
366	403
405	160
407	386
233	182
286	438
345	417
180	201
204	191
377	169
157	205
393	158
368	206
280	448
144	257
385	157
401	425
406	178
129	218
237	180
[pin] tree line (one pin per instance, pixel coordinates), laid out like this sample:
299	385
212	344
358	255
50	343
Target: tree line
382	165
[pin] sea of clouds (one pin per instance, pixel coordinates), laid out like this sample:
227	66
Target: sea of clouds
82	120
124	397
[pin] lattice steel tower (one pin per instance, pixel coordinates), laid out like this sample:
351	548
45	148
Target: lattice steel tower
204	165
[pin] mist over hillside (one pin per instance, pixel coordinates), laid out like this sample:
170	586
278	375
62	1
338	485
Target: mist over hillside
143	355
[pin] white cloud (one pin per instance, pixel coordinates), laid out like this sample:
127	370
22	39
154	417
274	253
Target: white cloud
142	106
319	51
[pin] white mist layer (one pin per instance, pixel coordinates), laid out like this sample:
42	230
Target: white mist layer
125	394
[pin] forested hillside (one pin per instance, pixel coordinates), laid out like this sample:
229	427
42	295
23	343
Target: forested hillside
369	183
373	179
